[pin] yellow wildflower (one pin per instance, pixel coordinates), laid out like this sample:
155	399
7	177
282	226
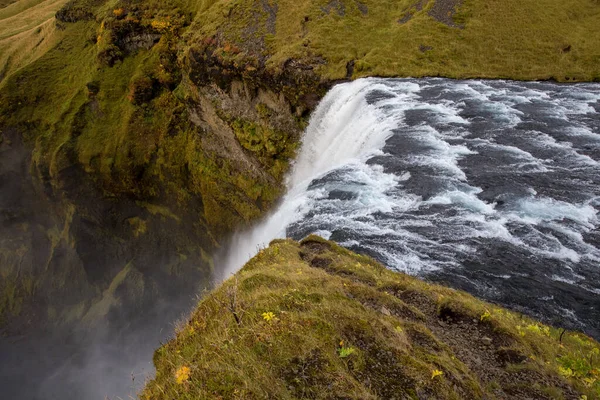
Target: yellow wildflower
268	316
182	375
486	315
435	373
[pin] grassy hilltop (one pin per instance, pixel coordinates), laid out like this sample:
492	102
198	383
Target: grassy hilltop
512	39
313	320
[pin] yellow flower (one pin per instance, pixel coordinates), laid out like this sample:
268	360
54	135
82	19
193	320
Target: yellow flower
182	375
435	373
486	315
268	316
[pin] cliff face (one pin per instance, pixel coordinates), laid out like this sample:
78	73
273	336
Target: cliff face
139	119
139	160
313	320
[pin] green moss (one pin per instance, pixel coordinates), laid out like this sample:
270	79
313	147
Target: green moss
123	123
283	328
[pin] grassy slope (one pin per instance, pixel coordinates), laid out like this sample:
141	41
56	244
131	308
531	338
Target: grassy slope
27	32
501	39
343	326
129	148
139	148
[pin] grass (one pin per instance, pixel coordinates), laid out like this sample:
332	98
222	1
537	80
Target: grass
313	320
136	140
124	116
505	39
27	32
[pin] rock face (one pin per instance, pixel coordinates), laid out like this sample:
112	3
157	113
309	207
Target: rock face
71	255
313	320
152	158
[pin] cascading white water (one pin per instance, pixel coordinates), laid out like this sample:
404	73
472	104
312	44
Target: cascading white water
344	129
488	186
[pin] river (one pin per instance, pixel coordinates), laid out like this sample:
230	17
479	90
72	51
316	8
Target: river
492	187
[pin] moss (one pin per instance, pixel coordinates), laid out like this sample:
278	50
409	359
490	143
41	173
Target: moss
121	120
306	332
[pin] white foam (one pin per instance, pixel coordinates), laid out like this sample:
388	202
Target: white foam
384	218
441	154
344	129
558	278
536	210
466	200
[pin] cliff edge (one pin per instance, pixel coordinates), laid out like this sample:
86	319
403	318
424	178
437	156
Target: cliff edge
314	320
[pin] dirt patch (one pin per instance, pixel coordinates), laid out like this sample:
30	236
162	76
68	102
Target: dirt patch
362	7
412	11
383	370
305	376
315	246
335	5
271	11
488	352
320	262
444	11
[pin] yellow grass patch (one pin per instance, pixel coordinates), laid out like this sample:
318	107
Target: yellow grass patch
27	31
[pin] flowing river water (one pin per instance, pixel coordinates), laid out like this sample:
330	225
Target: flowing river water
492	187
488	186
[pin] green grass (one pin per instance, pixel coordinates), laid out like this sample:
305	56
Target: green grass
504	39
124	117
313	320
76	110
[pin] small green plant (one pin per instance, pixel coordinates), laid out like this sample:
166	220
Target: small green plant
581	367
345	352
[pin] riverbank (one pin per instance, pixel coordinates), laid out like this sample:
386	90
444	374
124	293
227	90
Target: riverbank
313	320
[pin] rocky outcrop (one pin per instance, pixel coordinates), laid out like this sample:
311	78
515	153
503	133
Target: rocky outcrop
69	253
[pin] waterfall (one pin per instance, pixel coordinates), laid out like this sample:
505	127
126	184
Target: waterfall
345	128
492	187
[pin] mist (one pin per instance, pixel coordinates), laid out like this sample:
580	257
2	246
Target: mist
86	300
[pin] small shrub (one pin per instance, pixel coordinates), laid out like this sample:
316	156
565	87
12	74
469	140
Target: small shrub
141	90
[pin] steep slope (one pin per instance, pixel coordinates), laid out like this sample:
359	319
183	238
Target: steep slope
313	320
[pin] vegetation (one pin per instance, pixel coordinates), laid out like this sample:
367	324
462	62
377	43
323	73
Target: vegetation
513	39
112	86
27	31
313	320
110	99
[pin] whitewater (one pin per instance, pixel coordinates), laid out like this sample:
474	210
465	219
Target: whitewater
488	186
